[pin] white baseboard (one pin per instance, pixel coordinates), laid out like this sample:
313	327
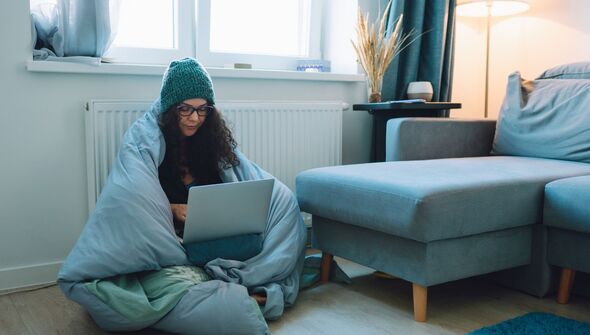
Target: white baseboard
22	278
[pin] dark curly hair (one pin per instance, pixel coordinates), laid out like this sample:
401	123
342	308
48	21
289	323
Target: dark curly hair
210	149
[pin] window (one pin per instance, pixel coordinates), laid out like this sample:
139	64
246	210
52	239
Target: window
267	27
153	31
268	34
154	28
265	33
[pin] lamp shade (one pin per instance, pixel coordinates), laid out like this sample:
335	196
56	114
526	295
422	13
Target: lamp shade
496	7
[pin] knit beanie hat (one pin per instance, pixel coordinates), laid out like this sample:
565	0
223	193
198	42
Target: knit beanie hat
185	79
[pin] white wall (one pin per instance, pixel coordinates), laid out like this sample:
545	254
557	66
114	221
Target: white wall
42	170
550	33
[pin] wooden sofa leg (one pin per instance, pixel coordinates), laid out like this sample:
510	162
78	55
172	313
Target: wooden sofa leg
325	267
420	294
565	285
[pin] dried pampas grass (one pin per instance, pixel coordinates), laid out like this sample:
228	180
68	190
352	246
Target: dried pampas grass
376	49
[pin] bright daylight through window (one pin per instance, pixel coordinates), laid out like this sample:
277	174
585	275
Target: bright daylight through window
267	27
153	28
265	33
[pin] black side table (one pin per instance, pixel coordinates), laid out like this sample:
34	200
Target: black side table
383	111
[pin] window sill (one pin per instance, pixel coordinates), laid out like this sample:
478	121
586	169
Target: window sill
158	70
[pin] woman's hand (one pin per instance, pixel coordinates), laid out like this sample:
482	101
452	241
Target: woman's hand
179	212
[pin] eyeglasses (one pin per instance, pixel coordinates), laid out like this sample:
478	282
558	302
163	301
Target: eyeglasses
187	110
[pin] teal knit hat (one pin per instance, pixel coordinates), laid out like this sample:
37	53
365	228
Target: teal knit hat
185	79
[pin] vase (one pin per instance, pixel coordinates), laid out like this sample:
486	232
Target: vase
420	90
374	89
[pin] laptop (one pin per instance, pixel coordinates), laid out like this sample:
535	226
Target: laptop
227	209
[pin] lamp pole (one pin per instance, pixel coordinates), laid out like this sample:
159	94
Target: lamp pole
481	8
488	22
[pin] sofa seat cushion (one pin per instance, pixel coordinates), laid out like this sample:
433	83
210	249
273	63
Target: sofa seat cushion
567	204
432	200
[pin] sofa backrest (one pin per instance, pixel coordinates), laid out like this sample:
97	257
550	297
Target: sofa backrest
546	117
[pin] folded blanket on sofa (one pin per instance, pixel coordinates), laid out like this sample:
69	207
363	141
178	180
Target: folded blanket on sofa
131	231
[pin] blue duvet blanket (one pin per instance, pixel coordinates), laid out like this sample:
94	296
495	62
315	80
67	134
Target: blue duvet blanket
131	231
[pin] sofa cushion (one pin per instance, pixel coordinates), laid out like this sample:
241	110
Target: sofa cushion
547	118
434	199
579	70
567	204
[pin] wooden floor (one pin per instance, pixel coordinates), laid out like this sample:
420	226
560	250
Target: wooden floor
370	305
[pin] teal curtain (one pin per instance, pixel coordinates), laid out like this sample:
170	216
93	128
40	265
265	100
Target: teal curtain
430	57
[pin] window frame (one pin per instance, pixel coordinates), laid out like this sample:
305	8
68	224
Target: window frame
192	38
258	61
184	27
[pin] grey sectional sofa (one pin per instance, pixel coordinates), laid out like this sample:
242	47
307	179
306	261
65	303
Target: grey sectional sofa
461	198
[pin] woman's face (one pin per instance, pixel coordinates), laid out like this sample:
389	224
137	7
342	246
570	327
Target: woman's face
190	124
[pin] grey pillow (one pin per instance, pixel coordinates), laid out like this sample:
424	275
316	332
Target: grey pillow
579	70
547	118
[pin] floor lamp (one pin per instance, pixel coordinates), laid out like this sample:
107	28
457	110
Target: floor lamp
487	9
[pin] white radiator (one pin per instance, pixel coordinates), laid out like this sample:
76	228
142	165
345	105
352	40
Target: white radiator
284	138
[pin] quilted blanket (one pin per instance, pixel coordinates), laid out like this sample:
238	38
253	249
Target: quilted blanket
131	231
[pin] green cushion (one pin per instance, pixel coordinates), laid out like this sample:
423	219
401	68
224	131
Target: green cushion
434	199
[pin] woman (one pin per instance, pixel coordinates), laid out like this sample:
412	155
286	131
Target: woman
128	237
198	143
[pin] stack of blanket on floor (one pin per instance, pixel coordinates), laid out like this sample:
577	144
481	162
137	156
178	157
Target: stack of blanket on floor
130	271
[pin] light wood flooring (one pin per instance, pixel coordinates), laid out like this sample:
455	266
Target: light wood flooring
370	305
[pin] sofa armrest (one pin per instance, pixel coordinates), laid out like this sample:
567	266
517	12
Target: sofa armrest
431	138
